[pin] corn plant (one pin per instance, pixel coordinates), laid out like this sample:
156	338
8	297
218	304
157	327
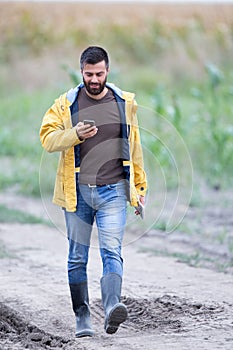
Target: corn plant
215	128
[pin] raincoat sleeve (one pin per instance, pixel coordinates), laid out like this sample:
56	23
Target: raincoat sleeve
56	132
140	180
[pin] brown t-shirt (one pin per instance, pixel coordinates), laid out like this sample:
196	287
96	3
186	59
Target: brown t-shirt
100	154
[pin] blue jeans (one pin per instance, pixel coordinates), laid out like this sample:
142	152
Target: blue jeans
107	206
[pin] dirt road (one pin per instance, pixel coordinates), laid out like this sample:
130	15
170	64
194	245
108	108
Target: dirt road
171	305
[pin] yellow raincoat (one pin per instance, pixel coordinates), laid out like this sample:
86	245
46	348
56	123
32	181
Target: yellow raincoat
57	134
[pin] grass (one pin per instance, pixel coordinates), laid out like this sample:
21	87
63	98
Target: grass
5	253
195	259
20	148
18	216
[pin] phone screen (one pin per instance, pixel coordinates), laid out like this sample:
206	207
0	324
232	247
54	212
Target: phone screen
91	122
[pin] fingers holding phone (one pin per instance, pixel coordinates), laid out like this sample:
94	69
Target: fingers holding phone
86	129
140	208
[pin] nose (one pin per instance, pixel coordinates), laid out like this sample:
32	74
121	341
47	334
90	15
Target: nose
94	79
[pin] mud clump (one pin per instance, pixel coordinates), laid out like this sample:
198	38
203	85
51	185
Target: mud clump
16	333
168	314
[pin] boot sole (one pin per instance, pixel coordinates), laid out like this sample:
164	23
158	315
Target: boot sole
85	333
117	315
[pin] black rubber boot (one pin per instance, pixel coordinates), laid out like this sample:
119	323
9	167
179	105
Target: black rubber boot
115	312
80	302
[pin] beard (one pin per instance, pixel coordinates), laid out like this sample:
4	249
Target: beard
95	88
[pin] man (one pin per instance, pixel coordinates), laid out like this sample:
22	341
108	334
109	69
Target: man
100	168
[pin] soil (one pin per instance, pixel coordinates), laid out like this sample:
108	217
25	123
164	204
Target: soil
171	305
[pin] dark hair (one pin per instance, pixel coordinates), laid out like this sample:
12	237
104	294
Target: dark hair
93	55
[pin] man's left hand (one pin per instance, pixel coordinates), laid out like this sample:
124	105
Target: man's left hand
142	201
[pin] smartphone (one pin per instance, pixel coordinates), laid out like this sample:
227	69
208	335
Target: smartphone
91	122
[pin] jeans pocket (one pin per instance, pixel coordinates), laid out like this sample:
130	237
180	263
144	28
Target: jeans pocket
112	187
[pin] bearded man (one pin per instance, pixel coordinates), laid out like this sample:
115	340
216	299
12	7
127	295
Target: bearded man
94	126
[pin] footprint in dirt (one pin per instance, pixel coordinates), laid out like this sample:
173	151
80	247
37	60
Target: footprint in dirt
167	313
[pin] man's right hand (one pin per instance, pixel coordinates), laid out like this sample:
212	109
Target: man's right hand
85	131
